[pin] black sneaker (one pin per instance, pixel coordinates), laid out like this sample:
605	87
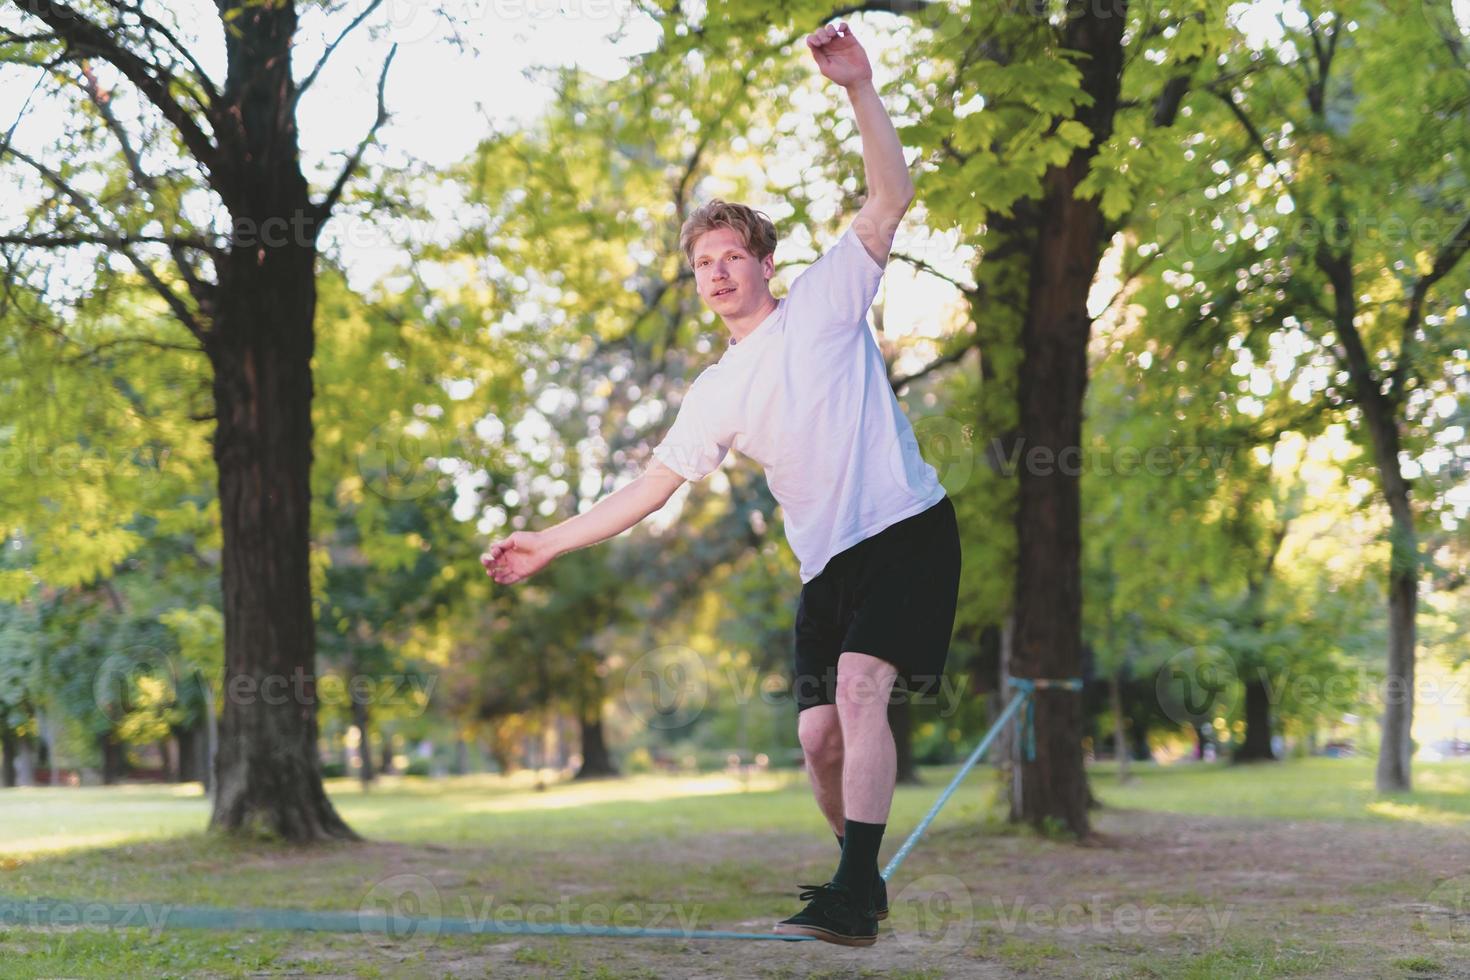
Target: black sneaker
880	898
831	916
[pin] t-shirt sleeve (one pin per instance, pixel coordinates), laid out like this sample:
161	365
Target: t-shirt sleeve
695	445
837	289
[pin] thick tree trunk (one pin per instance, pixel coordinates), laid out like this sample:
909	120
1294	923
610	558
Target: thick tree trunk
114	758
596	759
1257	744
901	722
1052	383
267	771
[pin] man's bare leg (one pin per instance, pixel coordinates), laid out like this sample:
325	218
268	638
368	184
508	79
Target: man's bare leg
870	767
820	731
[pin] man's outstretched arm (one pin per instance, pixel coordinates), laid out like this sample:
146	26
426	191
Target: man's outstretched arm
842	59
524	553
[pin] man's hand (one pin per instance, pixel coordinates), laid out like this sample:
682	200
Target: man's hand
839	55
519	556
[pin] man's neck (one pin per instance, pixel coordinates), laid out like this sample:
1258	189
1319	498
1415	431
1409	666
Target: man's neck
740	328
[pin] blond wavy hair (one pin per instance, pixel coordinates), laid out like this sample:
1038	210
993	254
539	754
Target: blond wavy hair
755	229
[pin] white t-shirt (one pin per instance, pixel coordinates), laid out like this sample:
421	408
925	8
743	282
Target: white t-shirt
806	396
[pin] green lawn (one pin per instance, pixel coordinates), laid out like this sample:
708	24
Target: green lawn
716	852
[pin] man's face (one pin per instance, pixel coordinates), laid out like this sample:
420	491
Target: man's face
729	278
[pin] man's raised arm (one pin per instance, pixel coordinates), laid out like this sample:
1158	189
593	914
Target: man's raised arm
842	59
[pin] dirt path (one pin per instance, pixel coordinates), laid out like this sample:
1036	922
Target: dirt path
1155	895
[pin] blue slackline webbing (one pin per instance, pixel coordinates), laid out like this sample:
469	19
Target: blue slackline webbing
954	784
37	912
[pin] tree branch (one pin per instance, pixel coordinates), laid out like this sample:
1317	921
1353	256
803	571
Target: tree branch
152	24
175	303
1449	255
899	383
327	54
202	292
324	210
153	81
107	240
923	266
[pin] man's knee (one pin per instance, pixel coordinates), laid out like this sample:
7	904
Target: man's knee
820	733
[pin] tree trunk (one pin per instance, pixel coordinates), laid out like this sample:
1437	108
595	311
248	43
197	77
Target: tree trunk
386	741
8	753
114	758
190	753
1380	414
360	718
260	346
25	763
1051	387
1257	743
1120	741
596	759
1139	740
1396	749
901	722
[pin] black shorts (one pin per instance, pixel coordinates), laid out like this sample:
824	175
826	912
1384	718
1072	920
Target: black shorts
892	596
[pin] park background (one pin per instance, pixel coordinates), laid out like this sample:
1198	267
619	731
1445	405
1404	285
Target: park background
1215	250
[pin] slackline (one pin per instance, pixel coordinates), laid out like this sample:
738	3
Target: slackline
55	912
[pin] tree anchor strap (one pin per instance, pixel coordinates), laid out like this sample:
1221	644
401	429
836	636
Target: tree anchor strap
1028	686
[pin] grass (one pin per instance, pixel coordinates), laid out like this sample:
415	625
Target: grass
478	845
1308	789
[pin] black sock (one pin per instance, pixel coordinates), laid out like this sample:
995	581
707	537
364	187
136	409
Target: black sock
857	870
877	873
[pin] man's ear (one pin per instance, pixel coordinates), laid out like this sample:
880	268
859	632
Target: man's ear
768	267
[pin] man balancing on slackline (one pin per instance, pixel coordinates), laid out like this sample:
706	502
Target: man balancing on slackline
803	390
